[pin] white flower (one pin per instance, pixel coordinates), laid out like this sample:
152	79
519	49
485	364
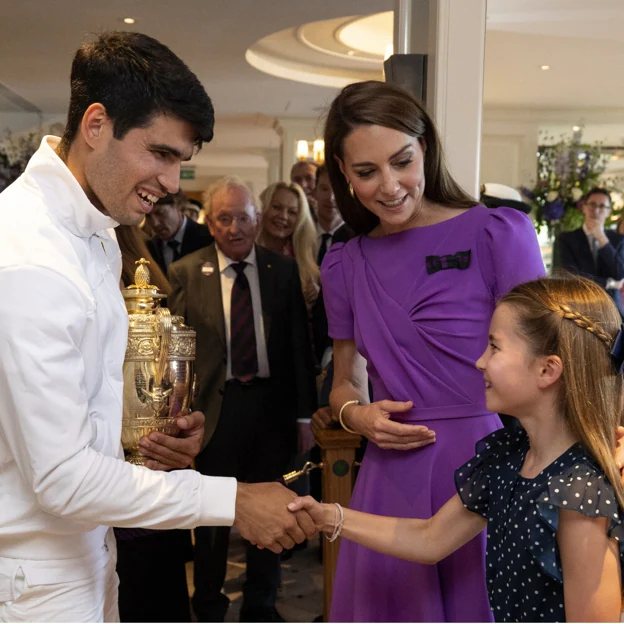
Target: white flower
552	195
576	193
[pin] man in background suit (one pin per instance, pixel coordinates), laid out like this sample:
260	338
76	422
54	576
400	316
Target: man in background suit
175	235
330	229
591	250
255	377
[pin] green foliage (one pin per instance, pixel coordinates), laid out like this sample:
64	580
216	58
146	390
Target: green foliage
566	171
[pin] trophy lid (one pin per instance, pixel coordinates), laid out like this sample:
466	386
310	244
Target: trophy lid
142	297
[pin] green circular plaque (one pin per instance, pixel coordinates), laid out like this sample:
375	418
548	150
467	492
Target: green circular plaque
341	468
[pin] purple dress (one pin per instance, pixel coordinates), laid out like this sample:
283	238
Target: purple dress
418	305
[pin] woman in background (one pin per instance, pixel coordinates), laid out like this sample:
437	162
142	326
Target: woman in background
287	228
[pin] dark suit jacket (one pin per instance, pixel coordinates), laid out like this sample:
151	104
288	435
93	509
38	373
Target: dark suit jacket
197	297
573	253
320	336
195	237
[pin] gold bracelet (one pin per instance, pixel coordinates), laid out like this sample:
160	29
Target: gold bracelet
353	402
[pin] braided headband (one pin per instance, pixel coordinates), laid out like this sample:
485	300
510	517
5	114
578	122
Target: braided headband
615	345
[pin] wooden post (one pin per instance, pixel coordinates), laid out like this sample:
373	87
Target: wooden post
337	454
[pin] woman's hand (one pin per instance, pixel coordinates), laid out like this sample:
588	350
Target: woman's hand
322	419
310	293
323	515
373	422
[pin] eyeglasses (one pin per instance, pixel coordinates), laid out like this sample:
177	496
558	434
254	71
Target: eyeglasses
596	206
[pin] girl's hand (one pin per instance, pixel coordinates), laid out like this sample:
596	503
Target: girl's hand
323	515
373	422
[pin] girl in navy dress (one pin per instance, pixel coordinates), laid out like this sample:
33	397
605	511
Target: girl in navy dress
550	493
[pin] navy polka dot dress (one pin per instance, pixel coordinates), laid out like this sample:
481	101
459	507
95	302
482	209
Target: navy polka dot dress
523	568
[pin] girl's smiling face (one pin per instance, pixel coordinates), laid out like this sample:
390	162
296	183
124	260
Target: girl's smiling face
510	369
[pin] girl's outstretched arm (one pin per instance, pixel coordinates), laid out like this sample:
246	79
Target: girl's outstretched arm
590	563
425	541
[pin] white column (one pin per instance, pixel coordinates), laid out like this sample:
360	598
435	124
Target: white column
456	51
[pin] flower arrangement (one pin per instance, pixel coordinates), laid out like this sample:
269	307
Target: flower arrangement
15	152
565	172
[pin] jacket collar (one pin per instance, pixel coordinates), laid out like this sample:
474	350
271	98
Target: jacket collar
67	200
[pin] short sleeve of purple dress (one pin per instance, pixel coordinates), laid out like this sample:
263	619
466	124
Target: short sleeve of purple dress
418	305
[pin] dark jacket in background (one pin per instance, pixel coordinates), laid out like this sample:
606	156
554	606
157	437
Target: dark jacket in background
573	253
195	237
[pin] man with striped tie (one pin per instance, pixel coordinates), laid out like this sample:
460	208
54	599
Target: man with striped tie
255	377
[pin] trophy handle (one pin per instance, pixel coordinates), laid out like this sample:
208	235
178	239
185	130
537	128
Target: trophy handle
164	329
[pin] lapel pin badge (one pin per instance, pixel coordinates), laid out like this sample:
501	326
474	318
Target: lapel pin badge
207	268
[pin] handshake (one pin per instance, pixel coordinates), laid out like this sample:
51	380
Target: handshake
271	516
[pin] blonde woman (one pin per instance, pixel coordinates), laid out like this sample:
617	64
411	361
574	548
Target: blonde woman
287	228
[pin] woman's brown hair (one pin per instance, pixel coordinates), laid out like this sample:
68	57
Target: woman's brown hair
133	247
575	319
376	103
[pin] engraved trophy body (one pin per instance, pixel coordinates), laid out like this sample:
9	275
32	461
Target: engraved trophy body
158	367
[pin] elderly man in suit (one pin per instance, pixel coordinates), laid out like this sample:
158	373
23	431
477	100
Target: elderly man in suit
175	235
591	250
255	378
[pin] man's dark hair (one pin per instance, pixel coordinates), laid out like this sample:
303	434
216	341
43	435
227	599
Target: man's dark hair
135	78
173	199
597	191
322	169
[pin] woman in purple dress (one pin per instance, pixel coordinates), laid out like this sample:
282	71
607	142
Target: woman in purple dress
409	302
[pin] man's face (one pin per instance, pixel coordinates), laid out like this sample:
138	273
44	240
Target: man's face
124	178
165	220
304	174
596	209
326	207
233	222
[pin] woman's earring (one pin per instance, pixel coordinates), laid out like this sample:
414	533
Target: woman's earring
351	190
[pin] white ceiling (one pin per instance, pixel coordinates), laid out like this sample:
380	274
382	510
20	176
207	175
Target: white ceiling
580	39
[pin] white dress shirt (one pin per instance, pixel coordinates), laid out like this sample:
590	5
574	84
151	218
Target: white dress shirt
228	275
320	232
63	334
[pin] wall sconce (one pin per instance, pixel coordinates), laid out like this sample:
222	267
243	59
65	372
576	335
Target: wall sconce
317	150
302	150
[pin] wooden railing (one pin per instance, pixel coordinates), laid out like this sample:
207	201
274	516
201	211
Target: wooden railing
338	469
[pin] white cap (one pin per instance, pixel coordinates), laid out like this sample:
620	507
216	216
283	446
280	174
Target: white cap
500	191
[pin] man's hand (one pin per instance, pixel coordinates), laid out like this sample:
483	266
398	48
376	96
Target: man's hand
262	517
166	452
305	437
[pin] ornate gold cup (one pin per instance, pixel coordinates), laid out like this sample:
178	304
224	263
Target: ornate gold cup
158	367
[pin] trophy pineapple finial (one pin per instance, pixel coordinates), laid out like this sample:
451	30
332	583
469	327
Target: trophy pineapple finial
142	274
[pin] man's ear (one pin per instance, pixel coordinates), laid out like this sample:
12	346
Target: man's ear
96	125
550	370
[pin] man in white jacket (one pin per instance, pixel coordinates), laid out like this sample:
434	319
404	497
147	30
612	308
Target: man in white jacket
136	112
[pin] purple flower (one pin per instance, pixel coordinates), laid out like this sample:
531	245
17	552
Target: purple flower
553	210
528	193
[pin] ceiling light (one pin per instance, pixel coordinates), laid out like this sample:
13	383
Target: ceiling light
129	20
544	67
351	52
576	128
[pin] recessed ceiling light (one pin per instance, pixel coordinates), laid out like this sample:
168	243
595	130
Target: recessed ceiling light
351	52
544	67
576	128
129	20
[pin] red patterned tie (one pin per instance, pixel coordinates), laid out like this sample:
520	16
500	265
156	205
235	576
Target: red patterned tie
242	331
